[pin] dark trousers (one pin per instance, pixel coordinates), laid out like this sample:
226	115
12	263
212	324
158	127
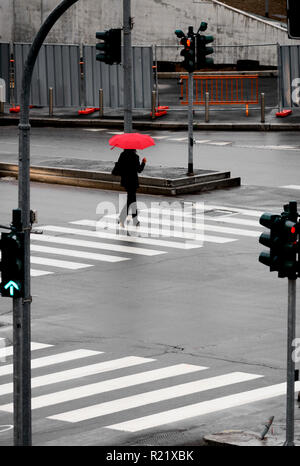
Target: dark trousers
130	205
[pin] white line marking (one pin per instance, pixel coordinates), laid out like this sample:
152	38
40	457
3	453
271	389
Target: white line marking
58	263
109	385
94	129
160	137
204	407
143	399
202	141
96	245
8	350
219	143
114	132
291	186
80	254
178	139
53	359
80	372
39	273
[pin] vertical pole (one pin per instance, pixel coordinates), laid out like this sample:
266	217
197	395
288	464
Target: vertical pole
21	306
262	107
153	104
190	125
127	66
101	103
207	107
267	8
290	392
51	101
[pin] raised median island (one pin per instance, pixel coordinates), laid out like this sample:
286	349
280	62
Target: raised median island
97	174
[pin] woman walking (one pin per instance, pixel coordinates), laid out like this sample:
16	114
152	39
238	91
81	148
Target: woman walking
128	167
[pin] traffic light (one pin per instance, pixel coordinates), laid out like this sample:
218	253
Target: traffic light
110	48
188	51
282	241
270	240
203	50
12	264
293	15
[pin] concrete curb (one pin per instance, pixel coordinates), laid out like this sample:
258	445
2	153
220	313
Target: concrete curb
240	438
104	180
177	74
144	125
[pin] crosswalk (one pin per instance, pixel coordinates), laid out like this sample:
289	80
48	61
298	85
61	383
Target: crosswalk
83	243
78	385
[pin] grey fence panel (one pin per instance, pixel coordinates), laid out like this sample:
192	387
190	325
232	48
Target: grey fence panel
57	66
110	78
289	75
4	66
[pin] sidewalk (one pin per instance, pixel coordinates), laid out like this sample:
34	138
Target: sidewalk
234	119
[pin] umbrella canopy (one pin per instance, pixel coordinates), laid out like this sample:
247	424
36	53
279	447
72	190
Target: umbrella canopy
132	141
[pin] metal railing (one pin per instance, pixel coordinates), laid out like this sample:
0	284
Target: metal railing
223	90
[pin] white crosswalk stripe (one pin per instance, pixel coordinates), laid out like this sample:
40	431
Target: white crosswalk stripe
8	350
150	386
161	230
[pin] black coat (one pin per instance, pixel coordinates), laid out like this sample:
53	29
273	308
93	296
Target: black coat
129	166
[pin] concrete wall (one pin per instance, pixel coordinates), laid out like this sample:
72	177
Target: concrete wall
155	23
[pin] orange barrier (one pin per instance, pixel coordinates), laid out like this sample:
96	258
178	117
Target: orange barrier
223	90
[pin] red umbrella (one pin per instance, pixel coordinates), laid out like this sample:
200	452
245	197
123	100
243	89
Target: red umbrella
131	141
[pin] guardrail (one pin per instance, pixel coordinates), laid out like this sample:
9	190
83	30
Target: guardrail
223	90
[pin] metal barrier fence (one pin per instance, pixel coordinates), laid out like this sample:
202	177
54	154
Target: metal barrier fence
110	79
4	66
58	67
223	90
288	76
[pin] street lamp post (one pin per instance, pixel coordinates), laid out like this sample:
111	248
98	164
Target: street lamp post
22	306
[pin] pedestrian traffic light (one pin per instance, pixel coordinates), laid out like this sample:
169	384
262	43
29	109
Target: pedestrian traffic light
293	15
12	264
203	50
110	48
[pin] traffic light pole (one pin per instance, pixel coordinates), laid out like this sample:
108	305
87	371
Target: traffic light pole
21	306
190	125
290	392
127	66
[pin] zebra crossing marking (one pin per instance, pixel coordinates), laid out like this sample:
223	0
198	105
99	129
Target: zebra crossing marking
168	229
109	385
155	396
199	409
140	399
